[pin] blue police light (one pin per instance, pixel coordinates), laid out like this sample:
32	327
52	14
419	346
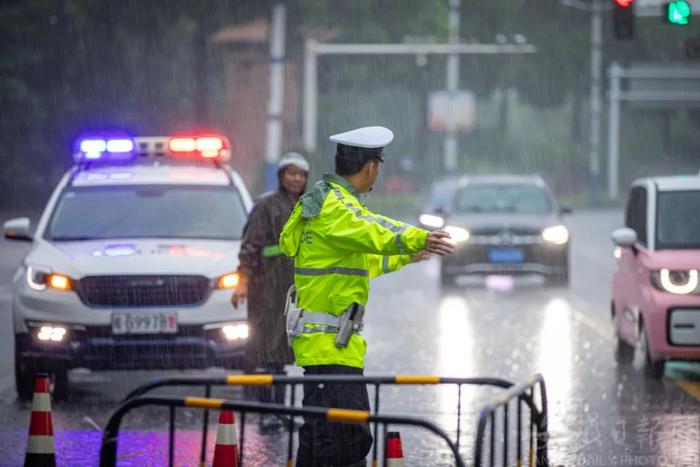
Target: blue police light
120	145
104	148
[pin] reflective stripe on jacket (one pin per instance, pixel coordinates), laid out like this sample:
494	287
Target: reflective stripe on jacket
338	245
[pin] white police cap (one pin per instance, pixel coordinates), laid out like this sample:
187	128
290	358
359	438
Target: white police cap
293	158
367	137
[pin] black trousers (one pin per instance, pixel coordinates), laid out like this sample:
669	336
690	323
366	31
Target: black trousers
326	444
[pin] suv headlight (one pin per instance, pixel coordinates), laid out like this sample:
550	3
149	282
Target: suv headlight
41	277
431	220
457	234
557	234
675	282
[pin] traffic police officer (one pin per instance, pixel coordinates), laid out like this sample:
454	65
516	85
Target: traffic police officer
338	245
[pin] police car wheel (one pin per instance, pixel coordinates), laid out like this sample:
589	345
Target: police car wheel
59	383
24	373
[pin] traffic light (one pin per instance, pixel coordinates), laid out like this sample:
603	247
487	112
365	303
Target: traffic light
623	19
677	12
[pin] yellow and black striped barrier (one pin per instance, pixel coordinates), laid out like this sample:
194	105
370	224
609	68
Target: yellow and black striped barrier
109	447
537	411
294	381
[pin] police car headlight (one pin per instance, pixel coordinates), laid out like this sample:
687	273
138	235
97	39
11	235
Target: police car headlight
235	332
228	281
557	234
457	234
40	278
675	282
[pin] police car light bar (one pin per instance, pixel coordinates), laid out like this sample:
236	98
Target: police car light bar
207	147
121	148
100	148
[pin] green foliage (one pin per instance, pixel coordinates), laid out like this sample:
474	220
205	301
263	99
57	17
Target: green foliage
145	65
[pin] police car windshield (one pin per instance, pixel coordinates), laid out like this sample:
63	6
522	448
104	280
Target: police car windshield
496	198
91	213
677	220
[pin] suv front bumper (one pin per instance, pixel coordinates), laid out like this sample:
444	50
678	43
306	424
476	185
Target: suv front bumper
199	341
95	347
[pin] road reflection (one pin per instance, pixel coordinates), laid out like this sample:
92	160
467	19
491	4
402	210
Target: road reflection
555	360
456	355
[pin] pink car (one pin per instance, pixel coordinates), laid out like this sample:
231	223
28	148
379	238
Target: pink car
655	288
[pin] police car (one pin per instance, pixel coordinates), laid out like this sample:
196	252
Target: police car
133	261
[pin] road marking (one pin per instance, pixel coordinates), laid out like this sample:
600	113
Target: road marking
92	423
600	329
691	387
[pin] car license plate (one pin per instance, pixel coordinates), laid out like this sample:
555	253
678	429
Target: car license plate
144	323
506	255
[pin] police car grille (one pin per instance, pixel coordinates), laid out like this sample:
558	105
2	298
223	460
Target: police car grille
137	291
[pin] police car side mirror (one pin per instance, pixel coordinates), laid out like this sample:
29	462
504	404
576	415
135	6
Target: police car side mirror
18	229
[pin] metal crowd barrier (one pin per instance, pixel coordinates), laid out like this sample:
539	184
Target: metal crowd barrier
523	393
294	381
108	450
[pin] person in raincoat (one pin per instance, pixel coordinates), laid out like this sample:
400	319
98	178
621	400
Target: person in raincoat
266	274
338	245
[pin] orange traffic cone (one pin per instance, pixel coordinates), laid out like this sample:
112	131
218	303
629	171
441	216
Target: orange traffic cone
40	446
394	451
226	449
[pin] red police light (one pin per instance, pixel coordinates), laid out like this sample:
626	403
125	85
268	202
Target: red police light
624	3
208	147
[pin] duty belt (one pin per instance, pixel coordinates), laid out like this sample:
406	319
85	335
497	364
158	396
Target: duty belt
344	325
324	322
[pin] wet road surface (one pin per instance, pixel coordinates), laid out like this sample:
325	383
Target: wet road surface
600	413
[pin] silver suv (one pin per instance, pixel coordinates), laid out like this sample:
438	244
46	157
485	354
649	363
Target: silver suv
132	262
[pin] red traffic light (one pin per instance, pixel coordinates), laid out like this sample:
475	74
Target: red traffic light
624	3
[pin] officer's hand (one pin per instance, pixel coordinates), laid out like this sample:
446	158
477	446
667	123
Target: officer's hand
421	256
437	243
240	294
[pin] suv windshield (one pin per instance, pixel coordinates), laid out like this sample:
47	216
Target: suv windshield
677	220
441	195
85	213
521	199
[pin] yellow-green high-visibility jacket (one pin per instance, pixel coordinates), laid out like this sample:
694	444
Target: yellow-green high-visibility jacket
338	245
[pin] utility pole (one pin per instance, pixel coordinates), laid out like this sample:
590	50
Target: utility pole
596	101
275	105
452	85
595	7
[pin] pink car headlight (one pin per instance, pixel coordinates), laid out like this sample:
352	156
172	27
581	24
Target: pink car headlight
675	282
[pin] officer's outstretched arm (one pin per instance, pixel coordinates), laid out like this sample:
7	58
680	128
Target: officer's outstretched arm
384	264
353	227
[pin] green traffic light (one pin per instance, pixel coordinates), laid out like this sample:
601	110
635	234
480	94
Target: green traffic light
678	12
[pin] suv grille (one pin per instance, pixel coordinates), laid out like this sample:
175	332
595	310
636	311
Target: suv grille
138	291
505	230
